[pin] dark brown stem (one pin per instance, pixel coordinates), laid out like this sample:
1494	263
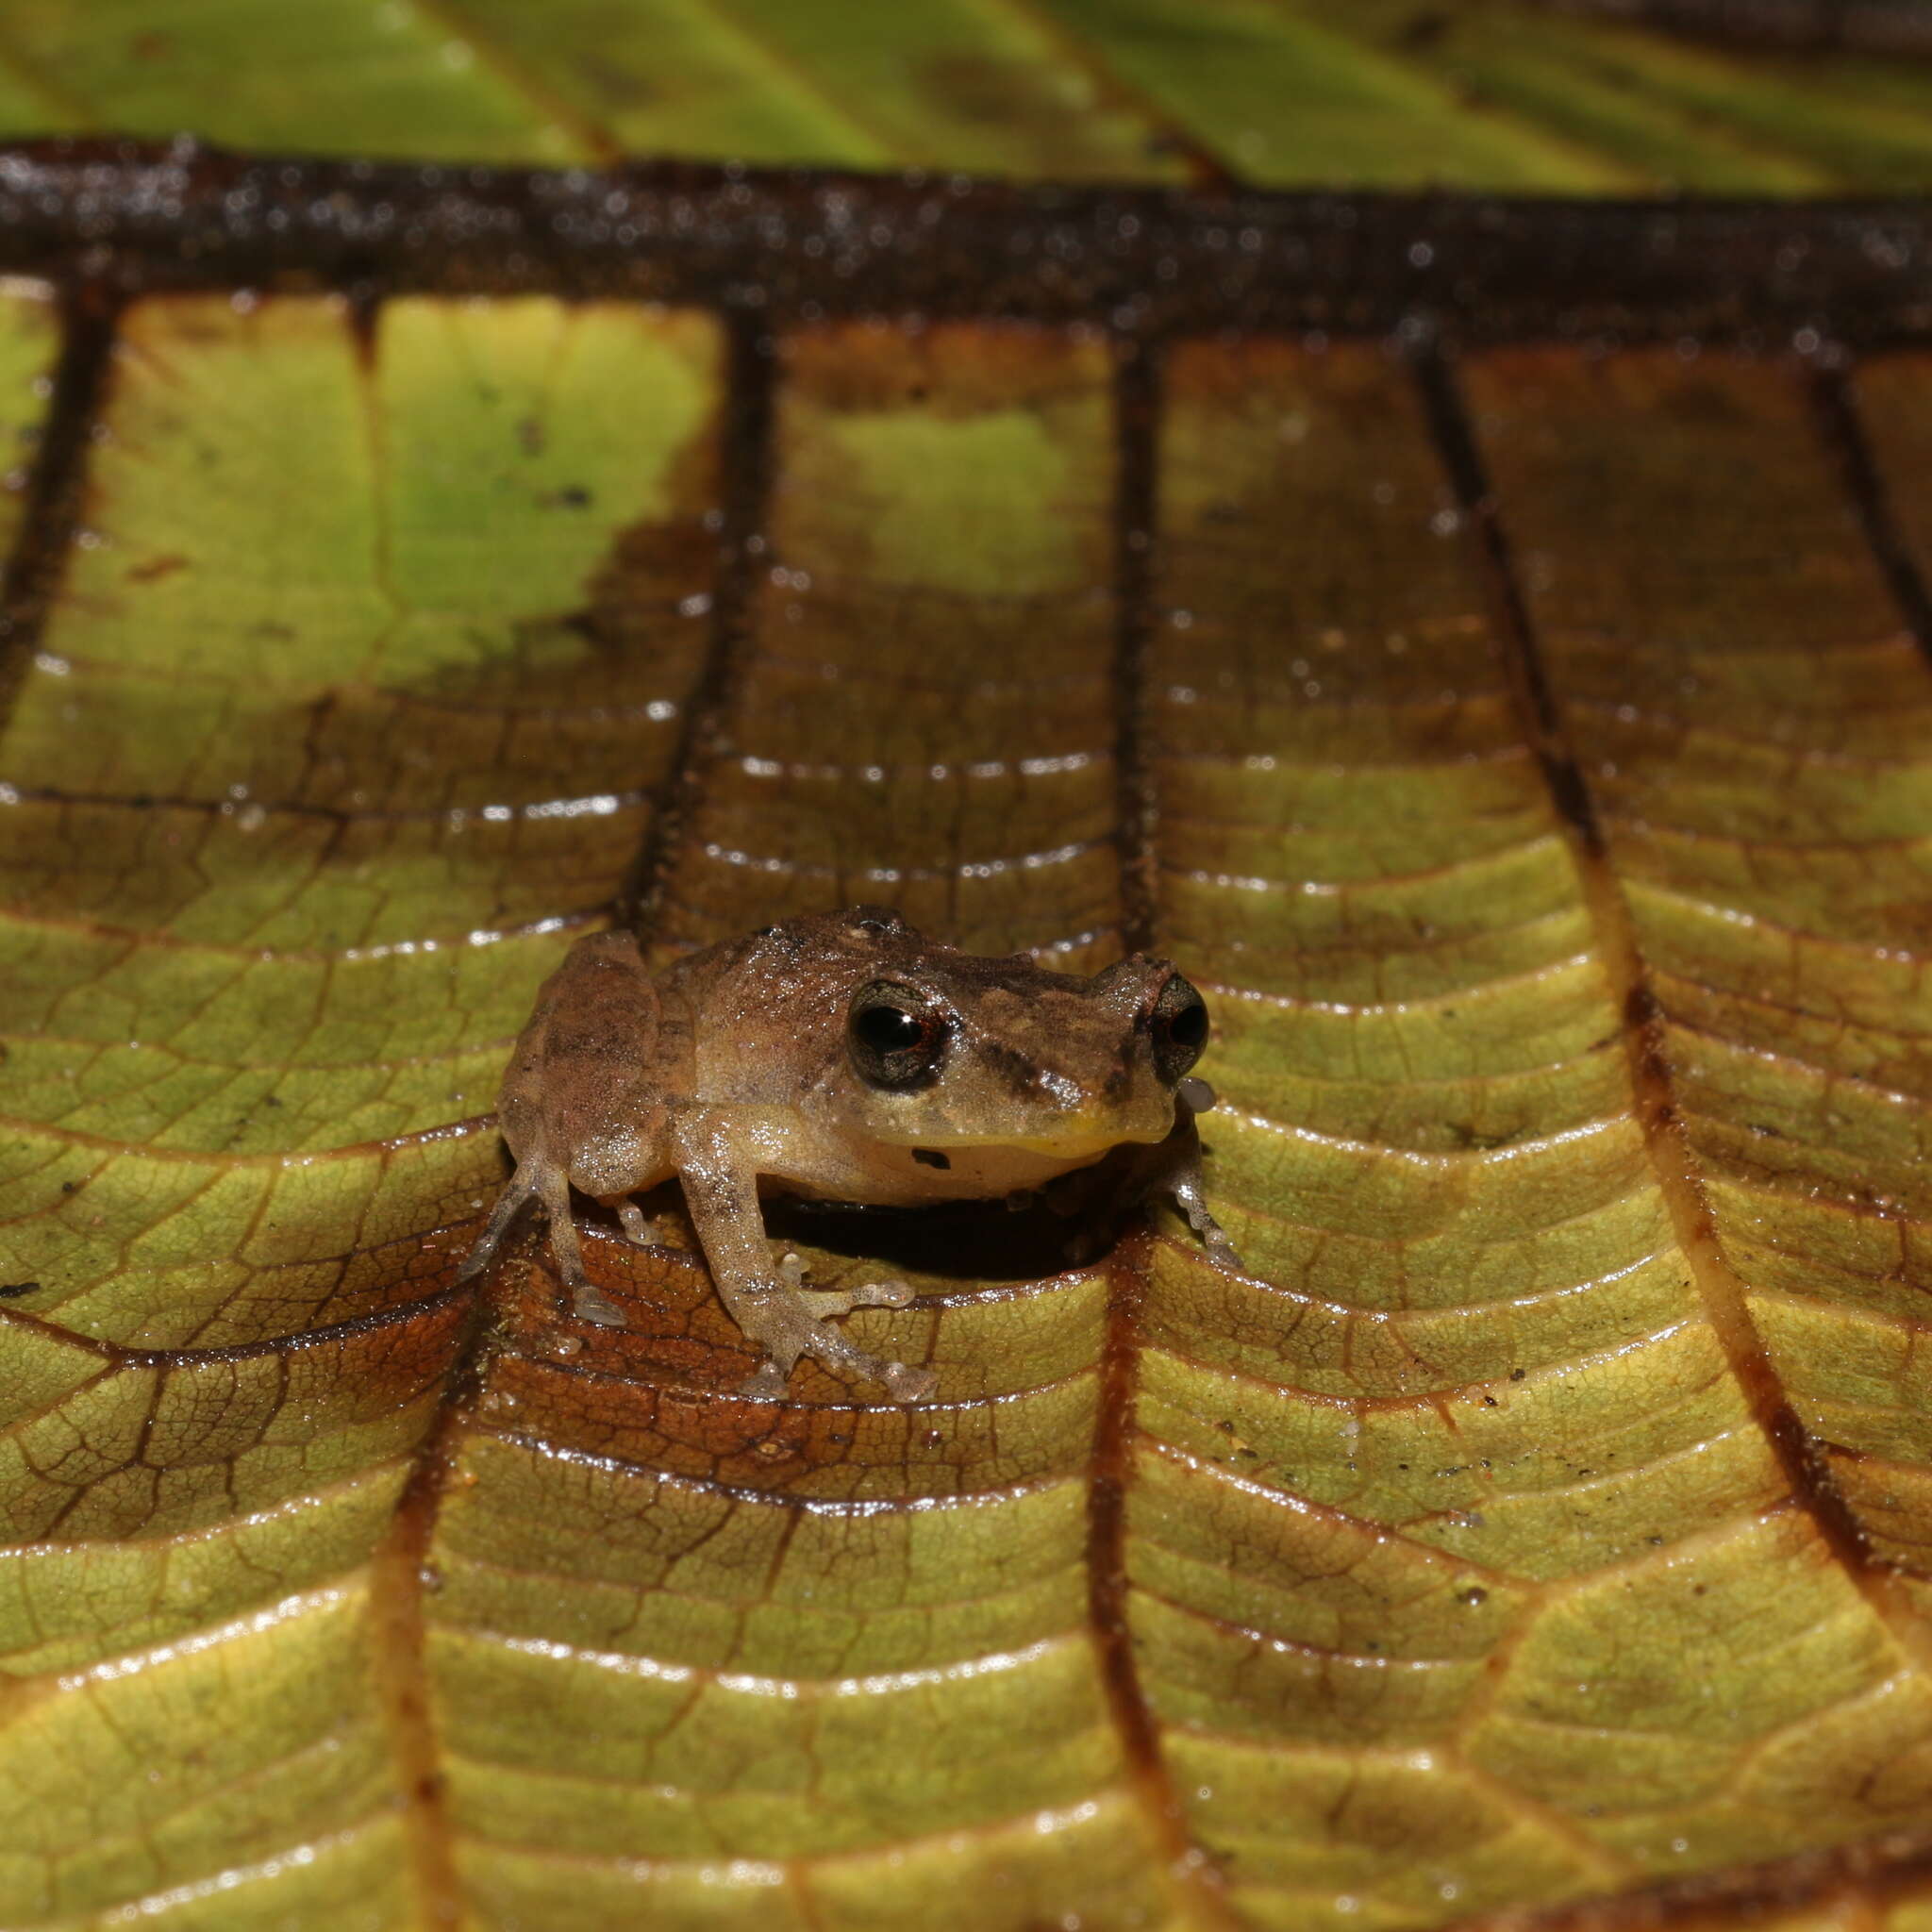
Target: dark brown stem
1137	457
806	246
1844	435
746	440
57	484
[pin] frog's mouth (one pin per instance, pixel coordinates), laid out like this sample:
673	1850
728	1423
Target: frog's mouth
1074	1140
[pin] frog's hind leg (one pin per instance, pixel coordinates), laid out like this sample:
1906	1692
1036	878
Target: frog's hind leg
588	1301
539	1178
519	1187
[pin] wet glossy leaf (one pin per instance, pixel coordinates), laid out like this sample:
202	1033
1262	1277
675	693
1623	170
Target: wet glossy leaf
1543	1516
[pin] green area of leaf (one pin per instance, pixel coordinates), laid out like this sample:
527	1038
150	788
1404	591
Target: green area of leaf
1281	97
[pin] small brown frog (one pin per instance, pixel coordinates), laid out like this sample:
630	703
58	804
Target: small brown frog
846	1057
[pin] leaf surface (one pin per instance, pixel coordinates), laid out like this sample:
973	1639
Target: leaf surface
1528	757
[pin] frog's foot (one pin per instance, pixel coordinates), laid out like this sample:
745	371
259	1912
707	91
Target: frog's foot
521	1186
540	1180
588	1301
788	1321
1221	1250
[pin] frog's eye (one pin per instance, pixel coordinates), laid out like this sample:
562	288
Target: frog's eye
1181	1029
895	1036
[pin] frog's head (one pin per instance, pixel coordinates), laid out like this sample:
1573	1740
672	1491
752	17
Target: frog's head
949	1050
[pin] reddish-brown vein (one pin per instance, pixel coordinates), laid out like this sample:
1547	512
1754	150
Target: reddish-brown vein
397	1633
1137	406
348	1329
1675	1165
190	1157
334	815
1882	1871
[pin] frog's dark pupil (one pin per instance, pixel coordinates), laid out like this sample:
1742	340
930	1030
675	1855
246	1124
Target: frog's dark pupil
896	1039
888	1030
1189	1026
1181	1029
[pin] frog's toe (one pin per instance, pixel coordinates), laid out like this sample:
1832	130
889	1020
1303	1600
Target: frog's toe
905	1383
636	1228
765	1384
589	1303
900	1380
1223	1253
823	1302
1221	1250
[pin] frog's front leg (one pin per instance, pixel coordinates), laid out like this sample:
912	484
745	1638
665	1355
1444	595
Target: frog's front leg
1175	1172
767	1301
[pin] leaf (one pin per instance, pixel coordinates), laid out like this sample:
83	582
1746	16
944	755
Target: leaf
1525	750
1494	95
